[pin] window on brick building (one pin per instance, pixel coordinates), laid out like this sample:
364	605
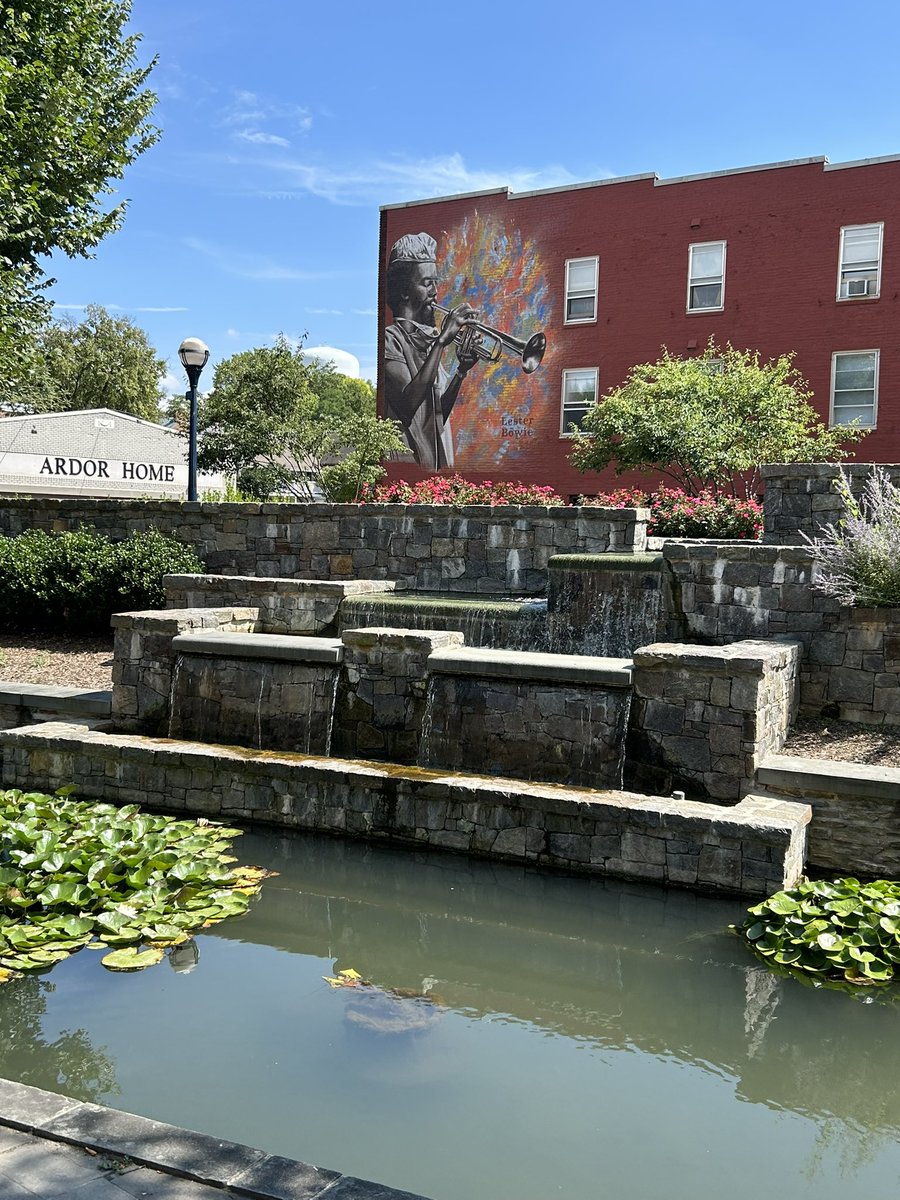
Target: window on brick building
706	276
859	267
579	393
854	387
581	290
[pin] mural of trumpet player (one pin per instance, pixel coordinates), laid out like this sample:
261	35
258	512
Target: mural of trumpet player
419	393
420	390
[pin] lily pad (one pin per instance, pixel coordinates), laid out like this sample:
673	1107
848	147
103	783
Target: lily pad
132	959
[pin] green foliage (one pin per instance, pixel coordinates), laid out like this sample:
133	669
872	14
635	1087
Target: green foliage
100	362
709	422
837	931
859	558
74	582
73	116
73	874
265	423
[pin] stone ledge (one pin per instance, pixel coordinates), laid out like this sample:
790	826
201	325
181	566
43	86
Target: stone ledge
178	1152
753	848
751	656
278	646
610	561
51	698
256	584
828	777
517	664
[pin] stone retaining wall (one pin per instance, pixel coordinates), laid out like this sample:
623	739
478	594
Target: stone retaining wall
855	828
474	548
755	848
705	717
800	498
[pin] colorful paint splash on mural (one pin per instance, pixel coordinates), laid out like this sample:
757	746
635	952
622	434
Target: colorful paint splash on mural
501	410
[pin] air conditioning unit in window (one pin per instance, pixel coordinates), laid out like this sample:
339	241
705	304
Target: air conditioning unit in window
858	287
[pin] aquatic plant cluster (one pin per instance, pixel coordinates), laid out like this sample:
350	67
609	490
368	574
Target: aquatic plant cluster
453	489
75	873
859	557
838	931
675	513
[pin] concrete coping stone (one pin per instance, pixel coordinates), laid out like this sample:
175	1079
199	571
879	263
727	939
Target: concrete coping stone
53	698
275	646
178	1152
749	657
261	583
522	664
821	776
820	470
612	561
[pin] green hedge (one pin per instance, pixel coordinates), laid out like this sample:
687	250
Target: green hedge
73	582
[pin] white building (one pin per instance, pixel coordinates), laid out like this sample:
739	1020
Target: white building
95	452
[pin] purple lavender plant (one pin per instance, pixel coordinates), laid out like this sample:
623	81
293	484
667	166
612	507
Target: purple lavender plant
859	557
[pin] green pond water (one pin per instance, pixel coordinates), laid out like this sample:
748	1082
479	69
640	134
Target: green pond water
576	1038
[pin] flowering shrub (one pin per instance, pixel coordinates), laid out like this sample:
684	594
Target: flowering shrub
453	489
674	513
860	556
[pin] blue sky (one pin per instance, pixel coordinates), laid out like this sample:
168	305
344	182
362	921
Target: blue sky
287	123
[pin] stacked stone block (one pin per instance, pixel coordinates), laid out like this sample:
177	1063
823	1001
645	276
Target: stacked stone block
381	701
144	660
852	669
800	498
704	717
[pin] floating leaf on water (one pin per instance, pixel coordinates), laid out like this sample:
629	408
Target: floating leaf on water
132	959
7	973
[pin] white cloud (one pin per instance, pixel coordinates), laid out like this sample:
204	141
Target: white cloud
386	180
232	333
257	137
364	312
253	266
173	385
249	114
125	308
324	312
345	363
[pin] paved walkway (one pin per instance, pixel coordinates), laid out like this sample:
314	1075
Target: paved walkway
60	1149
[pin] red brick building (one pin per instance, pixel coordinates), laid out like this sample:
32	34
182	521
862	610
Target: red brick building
800	256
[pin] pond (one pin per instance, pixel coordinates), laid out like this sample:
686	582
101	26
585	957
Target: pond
524	1034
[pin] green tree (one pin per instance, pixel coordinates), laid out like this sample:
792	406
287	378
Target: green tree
73	115
339	395
709	422
264	422
100	362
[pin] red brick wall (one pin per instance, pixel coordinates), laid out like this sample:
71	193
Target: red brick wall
782	227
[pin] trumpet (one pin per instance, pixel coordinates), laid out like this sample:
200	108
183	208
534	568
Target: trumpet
488	344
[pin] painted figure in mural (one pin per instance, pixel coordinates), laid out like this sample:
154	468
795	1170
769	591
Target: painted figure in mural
418	391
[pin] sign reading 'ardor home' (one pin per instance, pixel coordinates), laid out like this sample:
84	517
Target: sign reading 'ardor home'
58	466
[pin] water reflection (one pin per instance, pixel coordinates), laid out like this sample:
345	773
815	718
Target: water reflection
66	1063
511	1033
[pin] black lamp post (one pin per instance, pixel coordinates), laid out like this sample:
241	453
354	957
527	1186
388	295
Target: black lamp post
193	354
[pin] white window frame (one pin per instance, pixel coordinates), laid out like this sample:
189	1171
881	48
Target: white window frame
564	430
567	320
839	354
873	295
690	279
